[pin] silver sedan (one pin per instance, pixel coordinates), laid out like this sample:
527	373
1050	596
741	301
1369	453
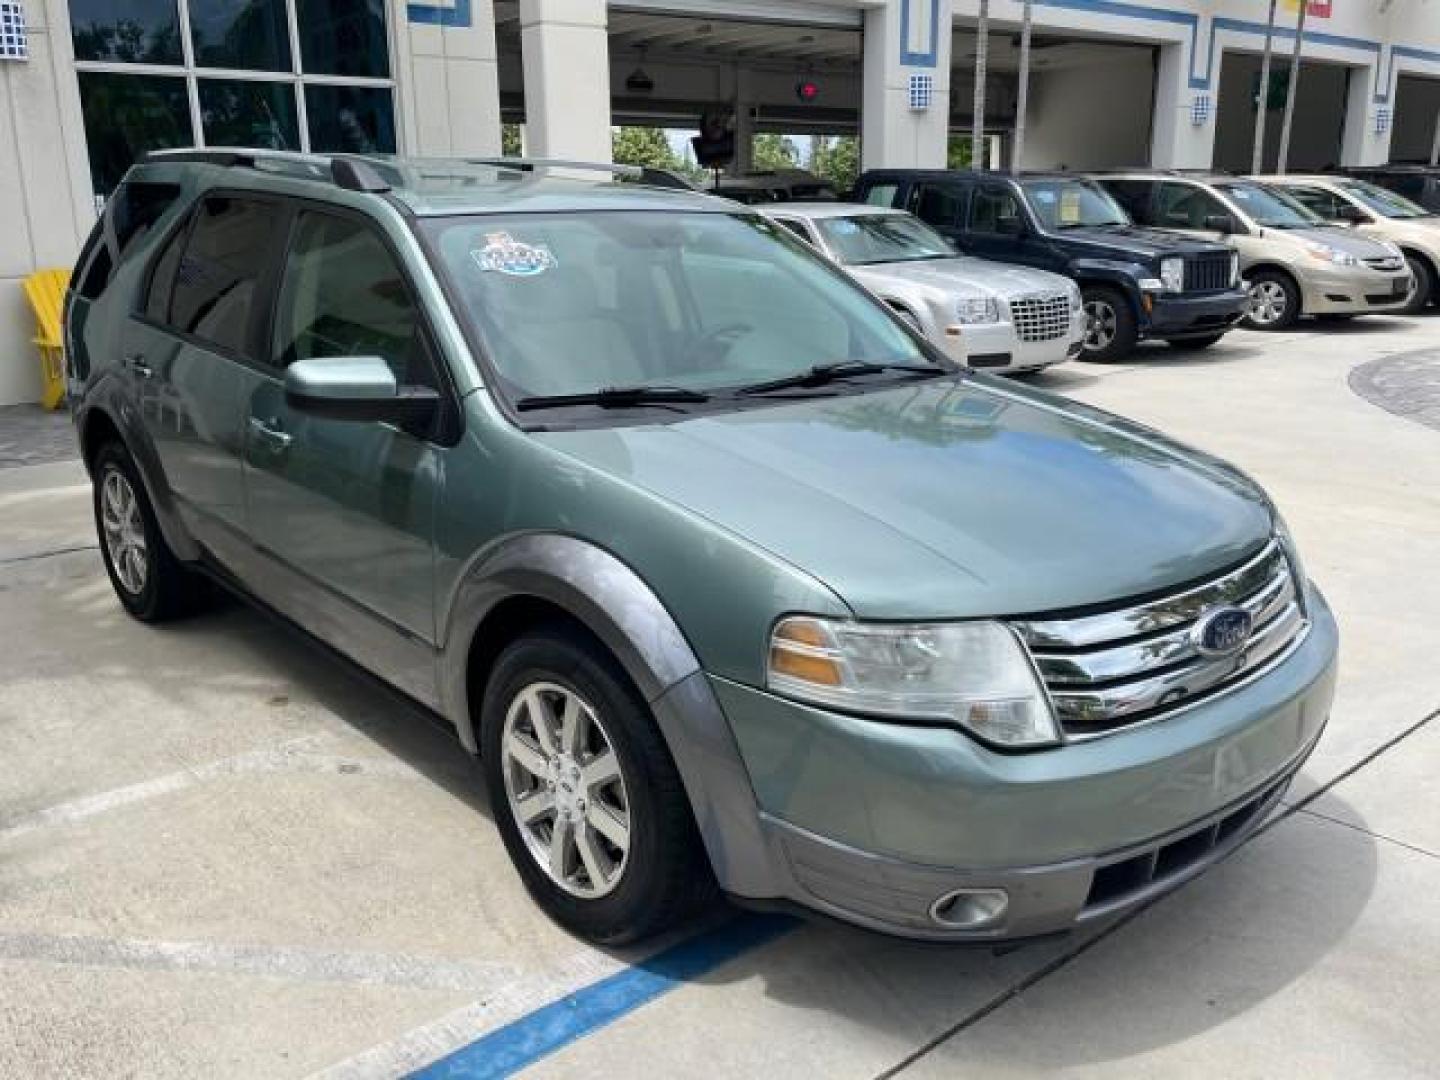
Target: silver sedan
987	314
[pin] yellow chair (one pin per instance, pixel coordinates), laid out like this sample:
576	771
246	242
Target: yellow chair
46	291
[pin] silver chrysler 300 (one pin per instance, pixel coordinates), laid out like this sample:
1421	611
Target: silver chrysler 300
986	314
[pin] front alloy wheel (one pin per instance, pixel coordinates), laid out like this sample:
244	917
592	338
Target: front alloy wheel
565	789
124	531
1272	302
1100	325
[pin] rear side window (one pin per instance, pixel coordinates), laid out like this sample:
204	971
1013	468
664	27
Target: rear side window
130	215
1133	195
996	210
216	277
939	205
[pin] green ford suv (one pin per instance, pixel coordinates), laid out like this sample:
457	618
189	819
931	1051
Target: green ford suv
730	579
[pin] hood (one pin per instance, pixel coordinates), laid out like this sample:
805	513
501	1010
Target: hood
1346	240
965	275
1139	243
948	498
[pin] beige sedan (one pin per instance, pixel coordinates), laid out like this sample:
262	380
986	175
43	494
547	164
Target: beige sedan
1379	213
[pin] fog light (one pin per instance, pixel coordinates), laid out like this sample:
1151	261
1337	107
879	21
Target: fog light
970	909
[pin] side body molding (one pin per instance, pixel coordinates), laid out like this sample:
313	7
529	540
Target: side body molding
621	610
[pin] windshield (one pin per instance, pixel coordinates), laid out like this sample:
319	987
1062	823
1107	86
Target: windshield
1381	201
881	238
1271	208
1072	204
572	303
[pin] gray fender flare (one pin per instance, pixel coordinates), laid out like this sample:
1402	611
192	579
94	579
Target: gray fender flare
616	605
106	401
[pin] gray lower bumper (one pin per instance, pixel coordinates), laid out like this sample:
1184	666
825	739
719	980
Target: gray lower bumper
896	897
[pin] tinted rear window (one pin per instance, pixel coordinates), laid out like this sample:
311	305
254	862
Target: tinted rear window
218	274
131	213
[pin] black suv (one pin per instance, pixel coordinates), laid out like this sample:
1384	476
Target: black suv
1137	283
1418	183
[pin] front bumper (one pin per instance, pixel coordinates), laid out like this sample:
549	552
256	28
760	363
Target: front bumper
995	347
1353	291
874	822
1173	316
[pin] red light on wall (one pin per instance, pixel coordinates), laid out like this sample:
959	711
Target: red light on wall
806	90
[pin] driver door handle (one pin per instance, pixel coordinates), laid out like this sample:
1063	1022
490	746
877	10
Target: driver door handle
268	432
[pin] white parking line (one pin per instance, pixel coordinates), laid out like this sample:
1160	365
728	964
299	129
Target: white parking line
515	999
269	759
382	969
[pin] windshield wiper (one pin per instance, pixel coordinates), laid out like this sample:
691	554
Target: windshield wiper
821	374
615	397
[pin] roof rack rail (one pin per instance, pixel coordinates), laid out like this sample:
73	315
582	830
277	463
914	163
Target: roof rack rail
646	174
350	173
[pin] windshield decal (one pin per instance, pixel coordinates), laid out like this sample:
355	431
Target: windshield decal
504	254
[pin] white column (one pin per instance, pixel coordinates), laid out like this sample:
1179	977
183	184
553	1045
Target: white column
1176	140
565	53
1362	144
453	84
902	38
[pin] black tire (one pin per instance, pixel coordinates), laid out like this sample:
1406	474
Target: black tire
1282	301
1424	285
167	590
665	874
1187	343
1110	331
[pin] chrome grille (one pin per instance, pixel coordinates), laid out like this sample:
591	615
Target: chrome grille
1115	668
1386	263
1041	318
1207	273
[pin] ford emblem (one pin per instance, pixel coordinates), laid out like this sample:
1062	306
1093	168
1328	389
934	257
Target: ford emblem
1222	631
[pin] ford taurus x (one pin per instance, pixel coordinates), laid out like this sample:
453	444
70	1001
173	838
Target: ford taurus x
732	581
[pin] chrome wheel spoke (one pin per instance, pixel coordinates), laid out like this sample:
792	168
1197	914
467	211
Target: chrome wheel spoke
595	863
572	723
607	823
561	837
601	770
528	757
535	806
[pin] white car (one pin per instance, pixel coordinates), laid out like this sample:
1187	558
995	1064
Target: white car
986	314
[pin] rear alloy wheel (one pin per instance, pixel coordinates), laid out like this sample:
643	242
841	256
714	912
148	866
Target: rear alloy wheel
1110	330
1422	287
1272	302
148	580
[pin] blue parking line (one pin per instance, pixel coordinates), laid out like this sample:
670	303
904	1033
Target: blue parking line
507	1050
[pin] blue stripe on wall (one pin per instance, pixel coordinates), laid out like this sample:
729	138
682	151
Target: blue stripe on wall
435	15
521	1043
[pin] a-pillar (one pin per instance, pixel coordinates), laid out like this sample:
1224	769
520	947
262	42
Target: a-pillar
1367	127
1183	133
905	38
566	59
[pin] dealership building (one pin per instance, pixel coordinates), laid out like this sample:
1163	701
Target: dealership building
87	85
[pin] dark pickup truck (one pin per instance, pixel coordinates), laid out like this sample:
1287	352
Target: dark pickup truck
1136	283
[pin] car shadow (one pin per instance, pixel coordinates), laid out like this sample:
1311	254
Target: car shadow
1194	960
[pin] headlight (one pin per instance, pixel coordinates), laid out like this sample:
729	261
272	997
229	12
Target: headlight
977	309
1329	254
1234	268
976	674
1172	274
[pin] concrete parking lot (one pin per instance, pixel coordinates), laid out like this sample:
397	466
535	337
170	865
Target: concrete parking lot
225	853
